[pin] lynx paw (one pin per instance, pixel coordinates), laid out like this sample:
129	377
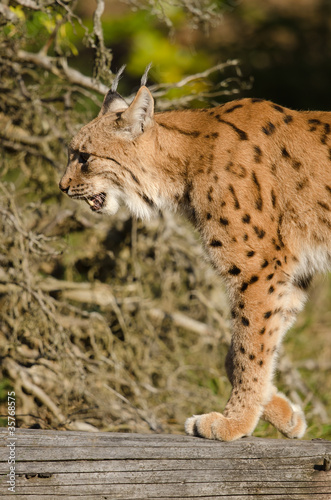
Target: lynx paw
287	417
215	426
297	425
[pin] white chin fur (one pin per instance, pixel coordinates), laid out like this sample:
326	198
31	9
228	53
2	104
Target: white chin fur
111	205
139	208
135	204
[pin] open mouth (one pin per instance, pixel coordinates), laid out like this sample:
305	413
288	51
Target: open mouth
96	201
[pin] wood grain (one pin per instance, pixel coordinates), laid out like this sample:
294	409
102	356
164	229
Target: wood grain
81	465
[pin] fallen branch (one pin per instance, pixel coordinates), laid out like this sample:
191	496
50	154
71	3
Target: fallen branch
101	295
180	320
17	372
59	67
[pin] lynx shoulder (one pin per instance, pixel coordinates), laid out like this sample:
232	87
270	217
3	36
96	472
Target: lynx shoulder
255	179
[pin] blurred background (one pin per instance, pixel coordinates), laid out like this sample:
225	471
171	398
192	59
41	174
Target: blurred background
283	47
112	323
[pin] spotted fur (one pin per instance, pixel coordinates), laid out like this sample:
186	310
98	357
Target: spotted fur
255	179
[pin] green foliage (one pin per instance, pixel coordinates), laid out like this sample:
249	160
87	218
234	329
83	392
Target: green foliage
6	386
142	39
36	28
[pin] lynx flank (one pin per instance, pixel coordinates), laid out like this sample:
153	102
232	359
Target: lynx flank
255	179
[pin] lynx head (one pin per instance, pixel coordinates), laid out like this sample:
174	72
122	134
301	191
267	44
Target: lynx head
111	159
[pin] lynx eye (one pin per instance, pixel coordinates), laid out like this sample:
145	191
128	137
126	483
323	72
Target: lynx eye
83	157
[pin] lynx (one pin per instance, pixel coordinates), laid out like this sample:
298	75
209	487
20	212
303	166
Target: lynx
255	179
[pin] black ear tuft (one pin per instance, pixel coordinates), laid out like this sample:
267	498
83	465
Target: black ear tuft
117	78
113	101
145	75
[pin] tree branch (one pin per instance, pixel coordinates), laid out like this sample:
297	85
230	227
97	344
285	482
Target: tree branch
59	67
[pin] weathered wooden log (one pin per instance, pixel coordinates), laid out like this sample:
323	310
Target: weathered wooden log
80	465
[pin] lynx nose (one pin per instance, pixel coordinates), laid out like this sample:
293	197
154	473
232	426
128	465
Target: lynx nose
64	186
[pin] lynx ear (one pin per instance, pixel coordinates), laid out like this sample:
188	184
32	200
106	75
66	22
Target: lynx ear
139	115
112	102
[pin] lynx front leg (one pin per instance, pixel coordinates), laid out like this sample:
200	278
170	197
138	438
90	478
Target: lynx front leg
257	332
287	417
251	388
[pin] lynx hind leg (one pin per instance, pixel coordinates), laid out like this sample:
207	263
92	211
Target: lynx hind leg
287	417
